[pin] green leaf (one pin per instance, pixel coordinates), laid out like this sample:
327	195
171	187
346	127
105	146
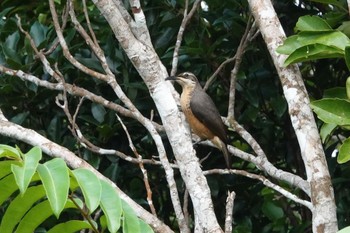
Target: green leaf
24	172
12	41
70	227
55	178
130	222
289	45
326	131
10	152
19	206
144	227
335	92
272	211
344	152
334	39
5	167
111	206
344	230
37	215
91	187
313	52
334	111
345	28
8	186
98	111
19	118
312	23
10	48
38	33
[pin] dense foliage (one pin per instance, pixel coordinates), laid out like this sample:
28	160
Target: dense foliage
210	38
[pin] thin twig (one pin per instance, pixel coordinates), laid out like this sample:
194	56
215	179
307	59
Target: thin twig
92	33
143	170
179	37
248	36
265	181
64	24
86	215
221	66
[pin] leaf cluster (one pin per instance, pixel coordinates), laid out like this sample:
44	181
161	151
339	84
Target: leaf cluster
32	192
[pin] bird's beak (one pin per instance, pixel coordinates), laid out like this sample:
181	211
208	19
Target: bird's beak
171	78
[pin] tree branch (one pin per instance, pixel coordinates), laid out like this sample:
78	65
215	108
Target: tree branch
265	181
12	130
229	211
302	118
185	21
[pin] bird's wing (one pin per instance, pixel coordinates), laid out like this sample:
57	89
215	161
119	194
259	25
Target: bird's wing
205	111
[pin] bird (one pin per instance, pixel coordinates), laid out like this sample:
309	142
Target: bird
201	113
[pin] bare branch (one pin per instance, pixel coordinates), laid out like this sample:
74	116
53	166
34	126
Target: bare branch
143	170
322	194
229	211
86	14
139	27
265	181
246	39
83	93
184	22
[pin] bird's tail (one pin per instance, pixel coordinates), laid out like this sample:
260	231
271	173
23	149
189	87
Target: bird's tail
223	147
227	155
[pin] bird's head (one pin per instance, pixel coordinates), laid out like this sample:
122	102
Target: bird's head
185	79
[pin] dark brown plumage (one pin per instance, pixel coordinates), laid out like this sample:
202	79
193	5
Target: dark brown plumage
201	113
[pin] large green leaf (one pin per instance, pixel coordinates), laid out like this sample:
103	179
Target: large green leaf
8	186
5	167
26	170
111	206
19	207
334	39
312	23
332	111
70	227
37	215
130	221
344	152
38	33
55	178
90	185
9	48
289	45
313	52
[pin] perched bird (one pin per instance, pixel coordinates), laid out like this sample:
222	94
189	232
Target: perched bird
201	113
